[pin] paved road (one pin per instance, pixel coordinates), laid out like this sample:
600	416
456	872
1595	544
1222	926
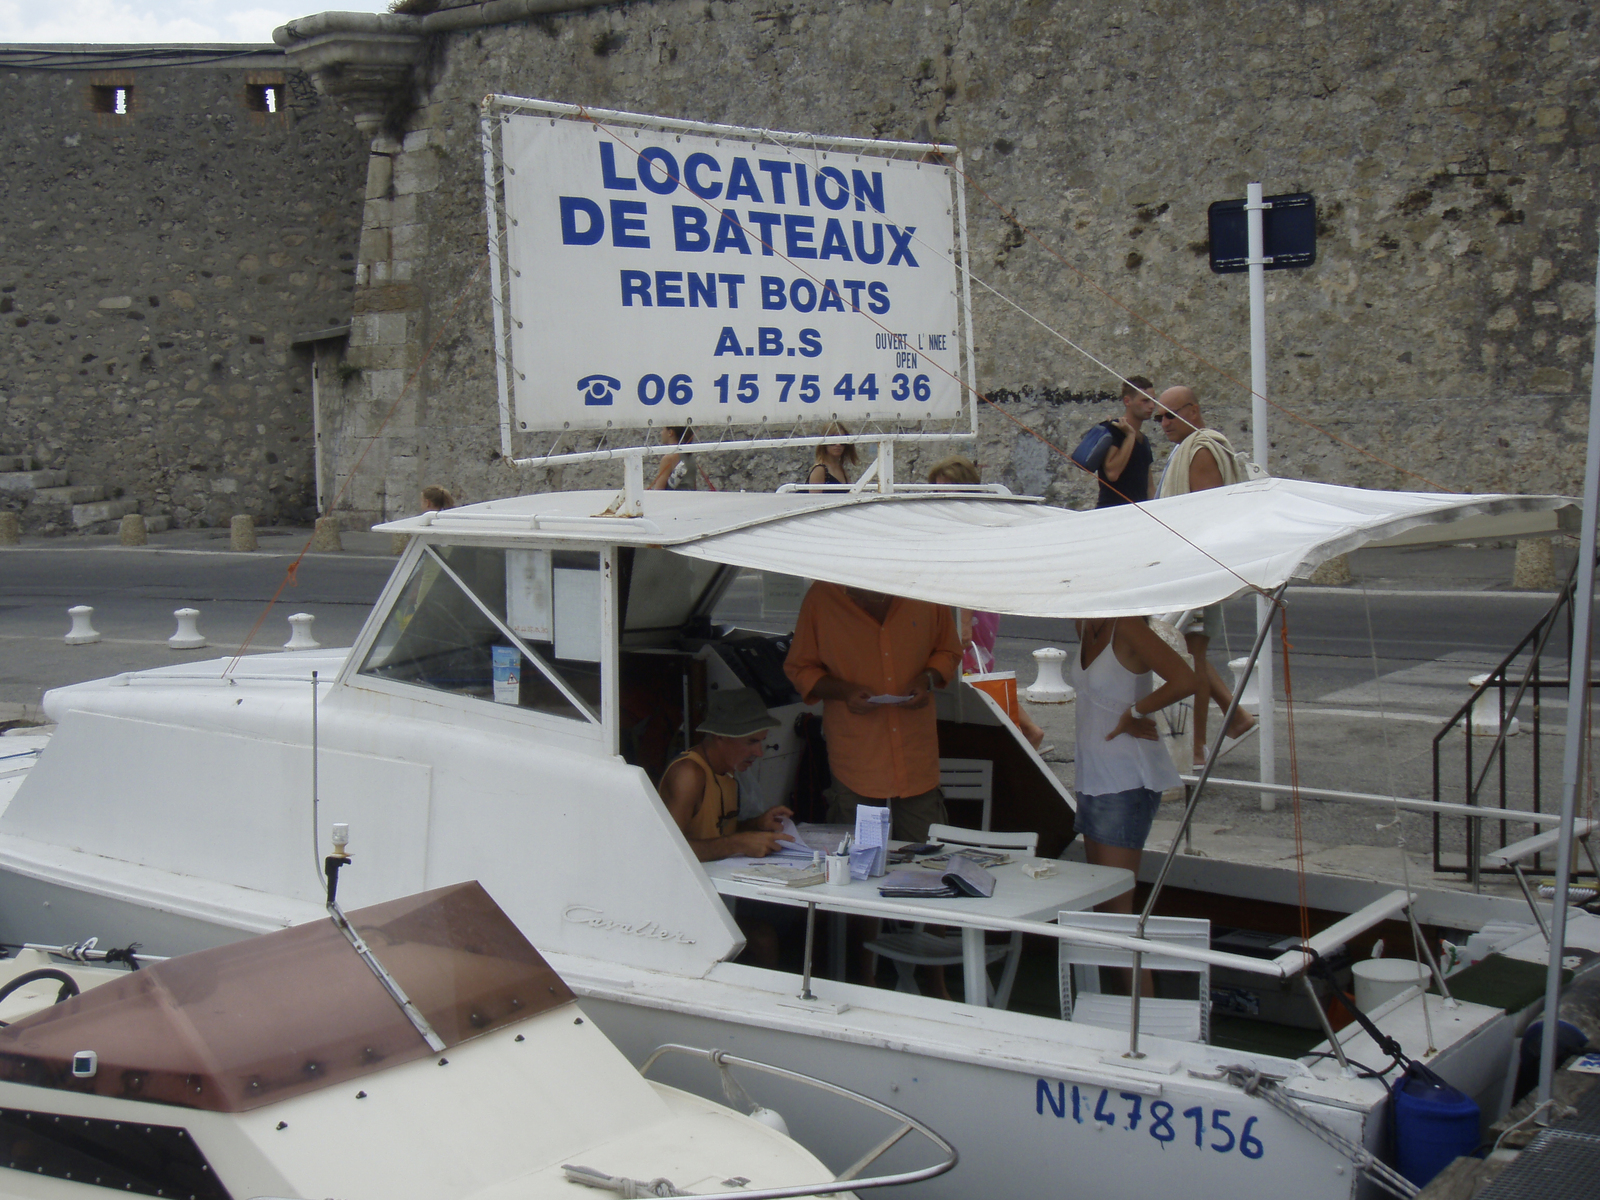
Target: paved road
135	591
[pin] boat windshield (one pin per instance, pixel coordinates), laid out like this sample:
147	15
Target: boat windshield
275	1016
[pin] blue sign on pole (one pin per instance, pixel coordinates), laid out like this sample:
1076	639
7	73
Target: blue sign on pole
1288	233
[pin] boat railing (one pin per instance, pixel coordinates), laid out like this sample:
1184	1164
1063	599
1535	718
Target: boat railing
851	1175
1487	776
1409	804
1285	966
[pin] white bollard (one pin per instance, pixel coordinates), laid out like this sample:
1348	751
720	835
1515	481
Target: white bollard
188	636
1049	687
1485	716
1252	694
300	633
83	631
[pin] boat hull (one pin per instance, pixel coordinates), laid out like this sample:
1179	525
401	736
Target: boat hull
1020	1132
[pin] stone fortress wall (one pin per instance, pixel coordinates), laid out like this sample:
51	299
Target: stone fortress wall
1447	326
155	268
1452	147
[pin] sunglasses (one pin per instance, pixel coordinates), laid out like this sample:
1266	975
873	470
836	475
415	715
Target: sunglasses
1167	416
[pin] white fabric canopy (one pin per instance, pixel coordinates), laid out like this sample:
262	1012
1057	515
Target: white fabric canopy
1160	557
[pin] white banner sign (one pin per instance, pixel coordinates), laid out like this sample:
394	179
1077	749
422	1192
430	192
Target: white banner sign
670	279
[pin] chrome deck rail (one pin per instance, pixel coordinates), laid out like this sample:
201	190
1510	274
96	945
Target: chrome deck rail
724	1061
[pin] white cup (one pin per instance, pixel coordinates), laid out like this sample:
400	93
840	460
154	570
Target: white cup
838	870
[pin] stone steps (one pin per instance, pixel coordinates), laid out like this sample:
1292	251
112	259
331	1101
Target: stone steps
78	493
30	481
102	511
48	502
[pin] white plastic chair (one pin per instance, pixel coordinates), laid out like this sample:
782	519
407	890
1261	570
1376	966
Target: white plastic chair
968	779
1083	1002
913	946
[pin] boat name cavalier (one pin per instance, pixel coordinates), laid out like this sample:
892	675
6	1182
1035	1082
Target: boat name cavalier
582	914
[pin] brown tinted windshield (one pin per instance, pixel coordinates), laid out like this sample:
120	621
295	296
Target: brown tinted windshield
288	1012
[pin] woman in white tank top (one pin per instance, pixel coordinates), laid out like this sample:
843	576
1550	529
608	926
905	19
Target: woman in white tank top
1122	767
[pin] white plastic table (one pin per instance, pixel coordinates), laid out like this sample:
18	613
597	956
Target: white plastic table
1074	885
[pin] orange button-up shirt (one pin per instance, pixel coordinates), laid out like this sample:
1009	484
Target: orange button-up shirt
893	751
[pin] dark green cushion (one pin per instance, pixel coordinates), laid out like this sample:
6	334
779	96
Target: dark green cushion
1500	982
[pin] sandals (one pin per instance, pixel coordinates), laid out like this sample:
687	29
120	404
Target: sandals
1229	743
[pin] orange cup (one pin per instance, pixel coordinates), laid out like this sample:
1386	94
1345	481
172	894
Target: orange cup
1002	687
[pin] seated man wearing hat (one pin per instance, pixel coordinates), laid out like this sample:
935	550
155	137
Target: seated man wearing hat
699	788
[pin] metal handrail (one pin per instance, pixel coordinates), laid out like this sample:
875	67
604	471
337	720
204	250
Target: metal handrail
908	1124
1531	679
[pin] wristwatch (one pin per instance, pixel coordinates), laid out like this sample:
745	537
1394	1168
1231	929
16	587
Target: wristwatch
1133	711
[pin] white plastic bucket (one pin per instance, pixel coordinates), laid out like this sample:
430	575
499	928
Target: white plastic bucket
1380	979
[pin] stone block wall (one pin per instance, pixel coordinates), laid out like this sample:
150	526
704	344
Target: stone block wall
1443	337
156	265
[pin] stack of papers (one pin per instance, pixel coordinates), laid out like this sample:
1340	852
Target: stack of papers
782	876
984	858
960	878
812	839
872	833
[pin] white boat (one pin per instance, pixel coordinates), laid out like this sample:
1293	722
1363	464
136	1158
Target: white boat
174	807
420	1048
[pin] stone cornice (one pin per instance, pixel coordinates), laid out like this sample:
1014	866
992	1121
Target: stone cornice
360	68
362	59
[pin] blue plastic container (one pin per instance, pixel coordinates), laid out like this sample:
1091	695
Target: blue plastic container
1433	1125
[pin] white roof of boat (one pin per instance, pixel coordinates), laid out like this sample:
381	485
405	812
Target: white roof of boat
1013	555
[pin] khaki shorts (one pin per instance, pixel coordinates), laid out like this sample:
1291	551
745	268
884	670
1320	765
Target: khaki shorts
910	816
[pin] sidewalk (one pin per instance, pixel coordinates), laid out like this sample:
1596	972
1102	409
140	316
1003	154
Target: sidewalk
270	539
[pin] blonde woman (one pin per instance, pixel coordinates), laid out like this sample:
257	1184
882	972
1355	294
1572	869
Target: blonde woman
829	465
1122	767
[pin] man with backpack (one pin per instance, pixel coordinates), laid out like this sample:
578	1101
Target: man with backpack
1125	473
1201	459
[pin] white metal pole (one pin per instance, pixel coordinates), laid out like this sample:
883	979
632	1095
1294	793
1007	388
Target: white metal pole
1577	710
502	335
1266	687
316	421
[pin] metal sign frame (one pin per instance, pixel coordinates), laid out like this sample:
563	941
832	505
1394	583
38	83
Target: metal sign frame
615	441
1289	233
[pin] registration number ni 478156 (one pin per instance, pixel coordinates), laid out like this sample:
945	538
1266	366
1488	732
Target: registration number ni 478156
1214	1129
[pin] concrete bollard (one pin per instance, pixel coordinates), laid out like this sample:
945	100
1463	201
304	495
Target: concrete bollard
1049	687
188	636
83	631
1251	698
242	532
1535	566
10	529
300	633
326	537
1335	572
398	543
132	531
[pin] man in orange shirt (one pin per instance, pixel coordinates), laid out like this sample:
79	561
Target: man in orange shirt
873	661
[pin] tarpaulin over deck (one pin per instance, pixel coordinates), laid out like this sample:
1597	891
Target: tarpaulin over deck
1161	557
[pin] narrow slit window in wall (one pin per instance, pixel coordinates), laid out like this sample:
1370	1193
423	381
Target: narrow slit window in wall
265	97
112	99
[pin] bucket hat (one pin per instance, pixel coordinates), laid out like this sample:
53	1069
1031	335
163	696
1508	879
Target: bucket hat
738	712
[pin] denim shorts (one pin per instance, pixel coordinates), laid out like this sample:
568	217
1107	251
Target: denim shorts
1118	818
